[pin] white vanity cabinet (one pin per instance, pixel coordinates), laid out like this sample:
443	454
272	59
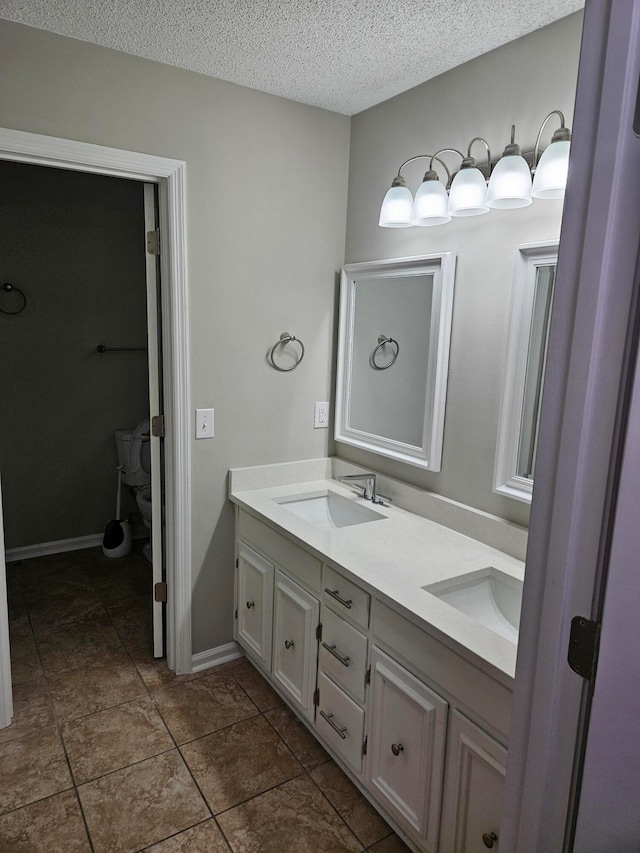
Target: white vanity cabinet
295	645
254	607
474	789
407	731
418	726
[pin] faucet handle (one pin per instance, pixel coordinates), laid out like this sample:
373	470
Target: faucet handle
381	499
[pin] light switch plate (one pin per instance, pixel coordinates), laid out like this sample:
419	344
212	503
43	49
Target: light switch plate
321	417
204	423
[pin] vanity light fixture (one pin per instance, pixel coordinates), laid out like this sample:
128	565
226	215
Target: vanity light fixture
510	182
550	175
475	189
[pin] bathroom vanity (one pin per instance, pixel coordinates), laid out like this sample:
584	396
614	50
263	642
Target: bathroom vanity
393	638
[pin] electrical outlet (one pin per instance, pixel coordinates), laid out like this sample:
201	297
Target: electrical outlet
204	423
321	417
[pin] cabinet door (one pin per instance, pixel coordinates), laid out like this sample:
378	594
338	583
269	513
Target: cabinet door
295	645
474	789
405	757
255	604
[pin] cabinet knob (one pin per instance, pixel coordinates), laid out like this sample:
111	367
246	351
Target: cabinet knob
288	644
396	748
488	839
250	604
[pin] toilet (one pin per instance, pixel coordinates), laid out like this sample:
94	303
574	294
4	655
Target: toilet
134	455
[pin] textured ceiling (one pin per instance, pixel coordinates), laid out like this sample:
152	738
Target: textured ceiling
343	55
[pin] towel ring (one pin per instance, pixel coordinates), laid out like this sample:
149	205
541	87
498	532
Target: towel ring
382	340
10	288
285	338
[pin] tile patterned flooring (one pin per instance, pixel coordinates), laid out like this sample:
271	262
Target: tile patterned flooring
110	752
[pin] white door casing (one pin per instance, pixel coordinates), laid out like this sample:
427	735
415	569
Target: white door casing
581	428
153	340
6	692
169	175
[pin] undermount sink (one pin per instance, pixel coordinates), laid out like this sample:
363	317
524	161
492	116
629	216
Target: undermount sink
489	596
329	510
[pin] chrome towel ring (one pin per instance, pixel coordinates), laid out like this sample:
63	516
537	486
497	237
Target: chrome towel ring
382	341
284	339
11	288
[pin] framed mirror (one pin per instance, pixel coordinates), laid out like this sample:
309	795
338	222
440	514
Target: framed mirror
531	298
393	356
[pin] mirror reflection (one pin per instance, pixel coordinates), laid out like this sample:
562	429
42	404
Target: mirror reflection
395	327
528	334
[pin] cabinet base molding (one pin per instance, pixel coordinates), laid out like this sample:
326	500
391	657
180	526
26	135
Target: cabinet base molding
216	656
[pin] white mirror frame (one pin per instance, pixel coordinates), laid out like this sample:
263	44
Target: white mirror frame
529	257
428	454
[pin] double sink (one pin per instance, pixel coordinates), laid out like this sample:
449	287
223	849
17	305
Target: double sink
489	596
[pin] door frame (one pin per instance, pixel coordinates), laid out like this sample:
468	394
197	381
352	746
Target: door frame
584	408
169	175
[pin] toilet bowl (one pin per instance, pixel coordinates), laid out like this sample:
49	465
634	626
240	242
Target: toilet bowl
134	456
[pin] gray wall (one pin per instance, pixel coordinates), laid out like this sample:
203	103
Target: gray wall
266	189
516	84
74	243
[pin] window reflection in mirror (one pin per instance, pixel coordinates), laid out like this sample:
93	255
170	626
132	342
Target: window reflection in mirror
528	333
545	276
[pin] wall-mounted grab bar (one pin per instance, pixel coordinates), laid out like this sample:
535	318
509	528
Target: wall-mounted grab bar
103	348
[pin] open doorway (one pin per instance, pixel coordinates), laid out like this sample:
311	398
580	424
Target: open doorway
81	336
168	176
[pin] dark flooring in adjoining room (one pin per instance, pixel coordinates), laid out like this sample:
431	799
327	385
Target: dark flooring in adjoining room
109	751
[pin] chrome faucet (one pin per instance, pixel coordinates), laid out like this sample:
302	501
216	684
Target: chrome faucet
369	487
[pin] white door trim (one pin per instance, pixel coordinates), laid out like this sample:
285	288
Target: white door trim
169	174
582	421
6	698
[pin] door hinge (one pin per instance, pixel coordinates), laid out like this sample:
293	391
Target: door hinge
237	563
153	242
160	592
316	696
364	745
319	632
157	426
236	612
367	678
584	644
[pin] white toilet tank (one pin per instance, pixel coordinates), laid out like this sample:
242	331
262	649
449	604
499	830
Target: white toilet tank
134	454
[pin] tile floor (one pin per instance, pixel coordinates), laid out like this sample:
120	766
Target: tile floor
109	751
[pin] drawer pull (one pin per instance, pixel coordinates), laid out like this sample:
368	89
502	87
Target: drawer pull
338	729
250	604
489	839
332	650
346	602
397	748
288	644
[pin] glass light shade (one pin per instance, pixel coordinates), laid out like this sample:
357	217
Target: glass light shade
468	193
397	208
510	183
430	206
550	179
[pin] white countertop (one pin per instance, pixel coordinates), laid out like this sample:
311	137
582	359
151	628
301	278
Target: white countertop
395	557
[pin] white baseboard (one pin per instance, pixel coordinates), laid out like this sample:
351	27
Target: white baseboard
214	657
60	546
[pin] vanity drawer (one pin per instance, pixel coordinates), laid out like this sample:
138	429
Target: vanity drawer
341	722
345	597
298	563
343	653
